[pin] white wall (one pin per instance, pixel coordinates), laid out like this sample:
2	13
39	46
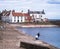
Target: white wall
23	19
19	19
12	19
16	18
36	15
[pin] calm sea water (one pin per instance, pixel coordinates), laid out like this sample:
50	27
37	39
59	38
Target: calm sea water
49	35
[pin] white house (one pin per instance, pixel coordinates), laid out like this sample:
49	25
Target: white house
36	15
18	17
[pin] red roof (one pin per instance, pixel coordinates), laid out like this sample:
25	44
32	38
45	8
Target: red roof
20	14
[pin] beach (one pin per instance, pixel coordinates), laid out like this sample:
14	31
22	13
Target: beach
12	38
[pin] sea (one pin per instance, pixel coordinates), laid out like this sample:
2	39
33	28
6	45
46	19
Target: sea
50	35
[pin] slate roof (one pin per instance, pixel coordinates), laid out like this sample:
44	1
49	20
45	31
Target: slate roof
36	12
5	13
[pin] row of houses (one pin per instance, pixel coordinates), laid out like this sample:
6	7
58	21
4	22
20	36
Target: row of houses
18	17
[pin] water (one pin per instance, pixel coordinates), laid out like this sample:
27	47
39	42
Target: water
49	35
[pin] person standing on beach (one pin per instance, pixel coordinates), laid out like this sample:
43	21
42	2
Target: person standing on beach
37	36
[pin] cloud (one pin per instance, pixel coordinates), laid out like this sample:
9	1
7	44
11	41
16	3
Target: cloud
17	5
54	1
16	2
52	9
12	0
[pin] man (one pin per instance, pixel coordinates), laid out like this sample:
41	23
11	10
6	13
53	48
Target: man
37	36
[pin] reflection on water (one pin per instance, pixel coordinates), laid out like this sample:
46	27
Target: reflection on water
49	35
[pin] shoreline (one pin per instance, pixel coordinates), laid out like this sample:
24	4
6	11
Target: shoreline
30	25
39	26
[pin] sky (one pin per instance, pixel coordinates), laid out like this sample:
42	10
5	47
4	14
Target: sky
51	7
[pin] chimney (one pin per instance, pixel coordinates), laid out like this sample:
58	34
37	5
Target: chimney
28	11
43	11
22	11
13	10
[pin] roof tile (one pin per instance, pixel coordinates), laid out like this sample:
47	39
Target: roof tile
20	14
